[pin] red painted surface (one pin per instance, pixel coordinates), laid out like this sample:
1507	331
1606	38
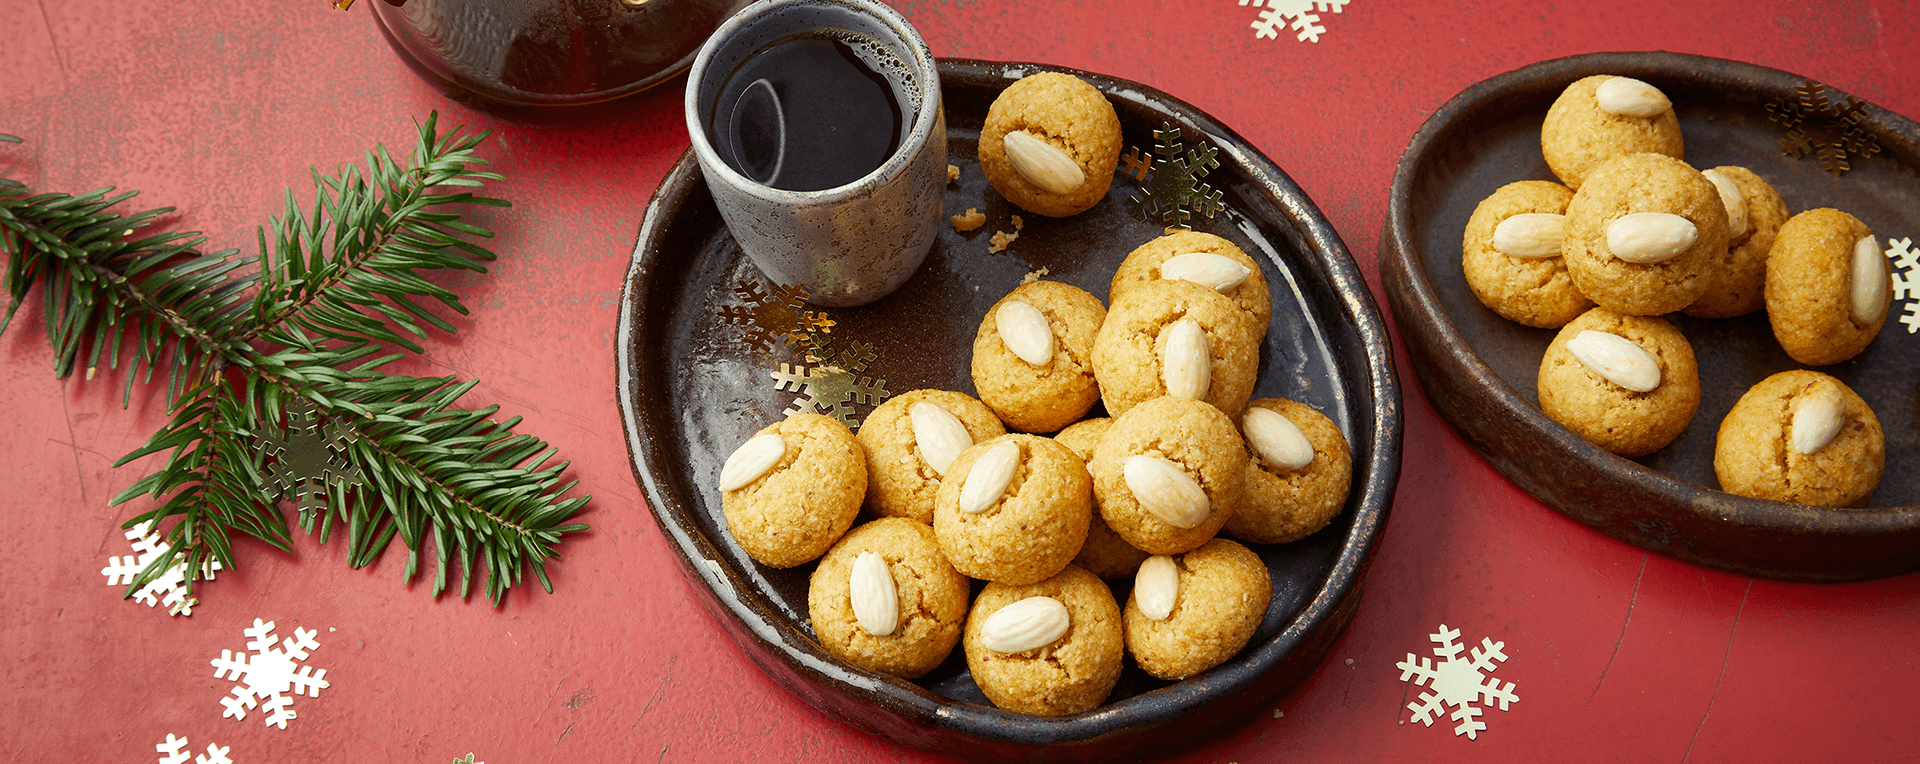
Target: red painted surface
214	108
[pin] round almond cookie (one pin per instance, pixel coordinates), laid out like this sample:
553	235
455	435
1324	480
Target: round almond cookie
1168	337
1643	234
1050	144
1105	554
1627	383
1015	511
1202	258
911	439
1033	356
1600	117
1169	474
792	489
1298	472
1190	613
886	599
1804	437
1736	284
1048	658
1827	287
1511	255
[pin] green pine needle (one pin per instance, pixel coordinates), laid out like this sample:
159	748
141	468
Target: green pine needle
336	292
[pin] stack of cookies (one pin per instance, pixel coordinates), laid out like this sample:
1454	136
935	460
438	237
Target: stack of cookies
1632	232
987	533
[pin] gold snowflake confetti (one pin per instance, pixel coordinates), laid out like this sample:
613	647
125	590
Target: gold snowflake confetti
1174	190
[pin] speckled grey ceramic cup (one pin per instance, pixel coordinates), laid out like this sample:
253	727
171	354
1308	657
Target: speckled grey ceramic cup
850	244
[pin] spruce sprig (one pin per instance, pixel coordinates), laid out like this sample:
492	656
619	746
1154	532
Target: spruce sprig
335	294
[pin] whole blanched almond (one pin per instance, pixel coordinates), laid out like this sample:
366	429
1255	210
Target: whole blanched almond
1629	97
1816	418
1733	199
1650	237
1165	490
1042	164
1156	587
876	601
1030	623
1025	331
987	479
1187	366
1277	439
939	435
1617	359
1869	280
751	460
1531	235
1217	272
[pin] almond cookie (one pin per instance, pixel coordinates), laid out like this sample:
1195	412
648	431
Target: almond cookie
1190	613
1105	554
1168	337
1804	437
1015	511
1169	474
1298	472
1204	259
1050	144
1736	283
1643	233
1033	356
1627	383
886	599
1600	117
1511	255
792	489
1049	648
1827	287
911	440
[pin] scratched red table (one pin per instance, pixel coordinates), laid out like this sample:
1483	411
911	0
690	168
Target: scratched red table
214	108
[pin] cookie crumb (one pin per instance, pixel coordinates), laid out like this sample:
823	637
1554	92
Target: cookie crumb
1349	661
1277	713
953	173
1000	241
970	221
1018	223
1033	276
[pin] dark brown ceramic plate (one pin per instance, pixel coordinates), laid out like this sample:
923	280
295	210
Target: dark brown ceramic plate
1479	369
691	389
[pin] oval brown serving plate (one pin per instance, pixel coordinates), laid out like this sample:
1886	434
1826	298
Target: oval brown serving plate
692	388
1479	369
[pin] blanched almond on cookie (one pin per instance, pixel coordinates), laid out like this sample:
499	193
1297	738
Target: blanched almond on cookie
1276	439
1531	235
1156	587
1042	164
1187	367
752	460
1650	237
1628	97
1869	280
1733	199
1030	623
1216	272
876	601
1165	490
1025	331
1617	359
1816	418
987	479
939	435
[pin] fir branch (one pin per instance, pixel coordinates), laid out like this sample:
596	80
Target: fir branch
312	317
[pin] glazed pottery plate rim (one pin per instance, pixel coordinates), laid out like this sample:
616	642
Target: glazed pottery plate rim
1375	478
1404	246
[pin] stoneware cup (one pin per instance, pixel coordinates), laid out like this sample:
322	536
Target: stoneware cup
851	244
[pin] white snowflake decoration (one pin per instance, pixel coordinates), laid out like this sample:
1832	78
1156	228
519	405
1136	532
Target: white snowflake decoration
269	674
169	587
1906	280
174	751
1302	16
1456	682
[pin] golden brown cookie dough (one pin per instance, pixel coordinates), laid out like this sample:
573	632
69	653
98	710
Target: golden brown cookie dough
1756	455
1810	288
1105	554
1636	183
1067	114
1736	284
799	507
1032	398
1280	505
1535	291
1578	135
1131	349
1619	420
1222	594
900	482
1143	265
1071	674
931	600
1032	528
1192	436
